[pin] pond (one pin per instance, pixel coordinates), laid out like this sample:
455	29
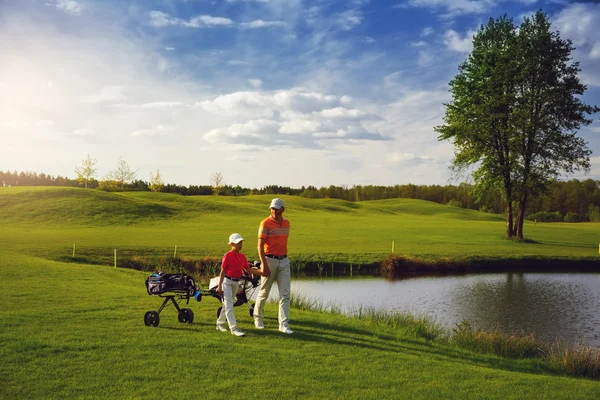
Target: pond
553	306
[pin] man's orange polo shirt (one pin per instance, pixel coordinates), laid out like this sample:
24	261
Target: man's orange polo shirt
276	235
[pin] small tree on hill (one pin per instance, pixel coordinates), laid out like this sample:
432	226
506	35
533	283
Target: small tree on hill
156	182
86	171
122	174
217	181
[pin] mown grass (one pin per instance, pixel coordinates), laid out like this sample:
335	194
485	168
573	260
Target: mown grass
76	331
46	222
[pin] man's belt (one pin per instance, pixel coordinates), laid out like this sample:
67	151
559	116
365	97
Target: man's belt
276	257
232	279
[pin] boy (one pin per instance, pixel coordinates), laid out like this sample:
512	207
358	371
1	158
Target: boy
233	265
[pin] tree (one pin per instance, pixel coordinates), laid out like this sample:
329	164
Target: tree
156	182
122	174
217	181
548	112
86	171
515	112
478	118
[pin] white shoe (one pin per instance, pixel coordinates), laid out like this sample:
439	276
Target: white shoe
286	330
221	328
237	332
258	324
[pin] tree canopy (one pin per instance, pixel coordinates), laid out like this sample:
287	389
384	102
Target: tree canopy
515	112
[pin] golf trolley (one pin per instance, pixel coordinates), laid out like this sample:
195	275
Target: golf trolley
247	286
171	287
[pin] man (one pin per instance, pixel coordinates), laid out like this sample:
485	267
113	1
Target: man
273	235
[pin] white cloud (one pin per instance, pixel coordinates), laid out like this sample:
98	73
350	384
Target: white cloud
595	52
69	6
350	19
290	118
203	21
259	23
106	94
427	31
454	42
161	19
454	7
159	130
256	83
579	23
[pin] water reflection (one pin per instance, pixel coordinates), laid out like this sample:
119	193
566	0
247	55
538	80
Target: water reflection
553	305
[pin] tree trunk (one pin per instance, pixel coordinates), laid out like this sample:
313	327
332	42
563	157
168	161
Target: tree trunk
510	231
509	220
521	214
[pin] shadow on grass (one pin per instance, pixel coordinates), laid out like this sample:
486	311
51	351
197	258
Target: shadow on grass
347	336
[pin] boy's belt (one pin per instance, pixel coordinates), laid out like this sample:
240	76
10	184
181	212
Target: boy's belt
232	279
276	257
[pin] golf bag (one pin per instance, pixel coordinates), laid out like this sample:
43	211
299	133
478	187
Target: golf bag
160	282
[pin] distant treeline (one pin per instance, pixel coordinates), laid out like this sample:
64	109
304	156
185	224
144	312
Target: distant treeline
571	201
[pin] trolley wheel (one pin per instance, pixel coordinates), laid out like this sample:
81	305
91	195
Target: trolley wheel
251	310
186	315
219	312
151	318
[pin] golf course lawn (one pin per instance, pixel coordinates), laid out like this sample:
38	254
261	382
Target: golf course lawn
76	330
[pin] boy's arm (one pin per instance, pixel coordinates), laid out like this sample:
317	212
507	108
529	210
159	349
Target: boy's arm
221	277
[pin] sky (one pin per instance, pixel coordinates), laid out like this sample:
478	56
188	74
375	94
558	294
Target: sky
265	92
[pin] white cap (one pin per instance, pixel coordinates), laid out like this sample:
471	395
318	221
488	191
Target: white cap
235	238
276	203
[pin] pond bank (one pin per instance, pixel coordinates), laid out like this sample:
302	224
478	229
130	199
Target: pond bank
397	266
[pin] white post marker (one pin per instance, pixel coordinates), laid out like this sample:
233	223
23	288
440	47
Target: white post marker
175	252
115	258
393	243
73	250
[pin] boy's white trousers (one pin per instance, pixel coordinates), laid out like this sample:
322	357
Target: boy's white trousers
230	288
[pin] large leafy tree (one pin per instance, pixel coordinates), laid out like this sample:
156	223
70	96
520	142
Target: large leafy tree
516	111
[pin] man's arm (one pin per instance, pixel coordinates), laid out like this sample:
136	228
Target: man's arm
263	259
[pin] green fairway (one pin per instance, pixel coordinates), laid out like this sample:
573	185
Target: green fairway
75	330
46	222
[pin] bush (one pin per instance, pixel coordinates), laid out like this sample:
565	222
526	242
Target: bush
455	203
573	217
545	216
136	262
575	360
593	213
510	346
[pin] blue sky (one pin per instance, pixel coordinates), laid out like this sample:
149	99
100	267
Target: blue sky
286	92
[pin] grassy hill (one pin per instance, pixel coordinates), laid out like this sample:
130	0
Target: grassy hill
48	221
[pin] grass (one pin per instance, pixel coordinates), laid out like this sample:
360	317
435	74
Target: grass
76	331
46	222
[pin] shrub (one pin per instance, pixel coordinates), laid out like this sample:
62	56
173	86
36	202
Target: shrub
455	203
575	360
136	262
545	216
593	213
573	217
510	346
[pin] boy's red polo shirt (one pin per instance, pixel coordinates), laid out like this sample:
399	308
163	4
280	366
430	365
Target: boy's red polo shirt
233	264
